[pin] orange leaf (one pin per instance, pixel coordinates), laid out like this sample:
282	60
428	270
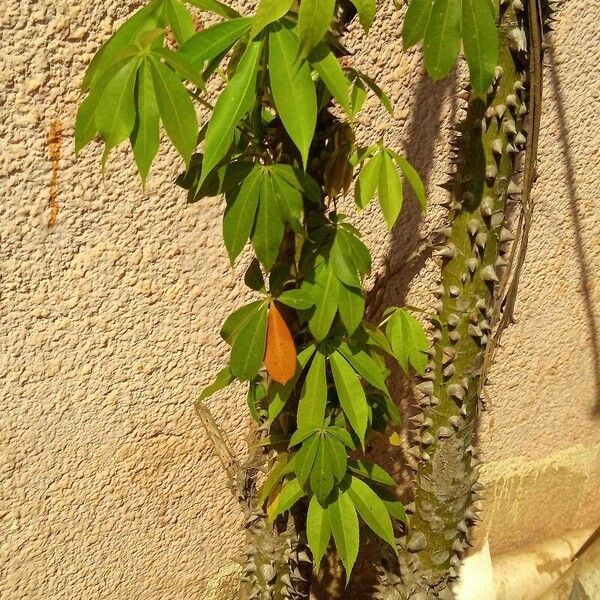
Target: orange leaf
280	356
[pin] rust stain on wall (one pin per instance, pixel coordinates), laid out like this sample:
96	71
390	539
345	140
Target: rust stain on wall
55	138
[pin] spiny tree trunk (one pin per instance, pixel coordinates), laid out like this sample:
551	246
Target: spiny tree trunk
488	147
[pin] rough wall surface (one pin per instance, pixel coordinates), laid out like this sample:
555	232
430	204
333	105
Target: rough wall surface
109	322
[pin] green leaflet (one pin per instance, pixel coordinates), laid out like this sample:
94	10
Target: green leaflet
269	226
321	475
393	505
342	260
176	109
442	37
480	42
318	531
370	470
336	455
412	177
304	458
368	181
416	21
313	399
325	292
209	43
85	123
351	305
216	7
351	394
390	190
254	277
366	12
224	378
240	213
358	95
359	254
372	510
344	526
298	299
314	19
236	320
408	340
180	20
288	197
283	466
248	348
290	493
254	399
181	65
145	138
267	12
115	113
381	95
298	110
279	393
234	102
331	73
365	366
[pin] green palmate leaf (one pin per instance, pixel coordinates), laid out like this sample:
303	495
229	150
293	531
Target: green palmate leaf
267	12
442	37
143	20
115	113
368	180
222	380
372	510
216	7
331	73
176	110
279	393
351	394
298	299
318	531
325	294
371	471
269	226
480	42
145	138
290	493
344	526
313	399
351	304
390	190
366	12
298	111
234	102
240	214
236	320
413	179
314	19
211	42
180	20
283	466
321	476
416	21
248	347
408	340
305	458
365	366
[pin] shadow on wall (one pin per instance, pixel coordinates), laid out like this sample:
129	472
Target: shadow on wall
585	276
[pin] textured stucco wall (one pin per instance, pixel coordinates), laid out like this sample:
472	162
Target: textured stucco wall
109	323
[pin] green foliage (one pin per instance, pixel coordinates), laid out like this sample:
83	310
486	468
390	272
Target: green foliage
275	149
443	24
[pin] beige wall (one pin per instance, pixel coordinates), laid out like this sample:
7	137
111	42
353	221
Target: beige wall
109	324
